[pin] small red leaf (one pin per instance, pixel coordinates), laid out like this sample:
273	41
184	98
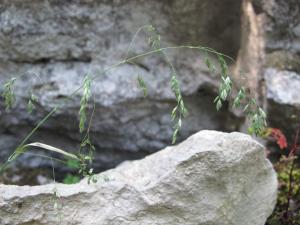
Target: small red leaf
279	137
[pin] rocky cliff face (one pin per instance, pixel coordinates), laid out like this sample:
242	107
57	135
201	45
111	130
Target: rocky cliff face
270	55
283	54
53	44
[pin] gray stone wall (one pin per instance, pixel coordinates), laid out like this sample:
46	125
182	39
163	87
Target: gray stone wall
53	44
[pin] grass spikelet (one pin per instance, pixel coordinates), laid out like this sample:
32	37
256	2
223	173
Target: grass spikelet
8	94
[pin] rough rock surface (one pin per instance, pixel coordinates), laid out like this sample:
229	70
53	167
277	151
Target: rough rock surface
53	44
270	48
211	178
282	44
56	43
283	86
283	99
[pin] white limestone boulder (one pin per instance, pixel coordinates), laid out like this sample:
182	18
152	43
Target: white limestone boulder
212	178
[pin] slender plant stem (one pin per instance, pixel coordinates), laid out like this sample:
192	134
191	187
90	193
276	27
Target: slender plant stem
291	178
133	39
290	189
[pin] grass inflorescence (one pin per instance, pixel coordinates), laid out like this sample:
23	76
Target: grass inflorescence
84	156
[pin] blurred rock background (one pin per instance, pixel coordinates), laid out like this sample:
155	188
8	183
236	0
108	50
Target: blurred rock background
54	44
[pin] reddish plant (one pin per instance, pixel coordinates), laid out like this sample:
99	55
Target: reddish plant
281	140
278	136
